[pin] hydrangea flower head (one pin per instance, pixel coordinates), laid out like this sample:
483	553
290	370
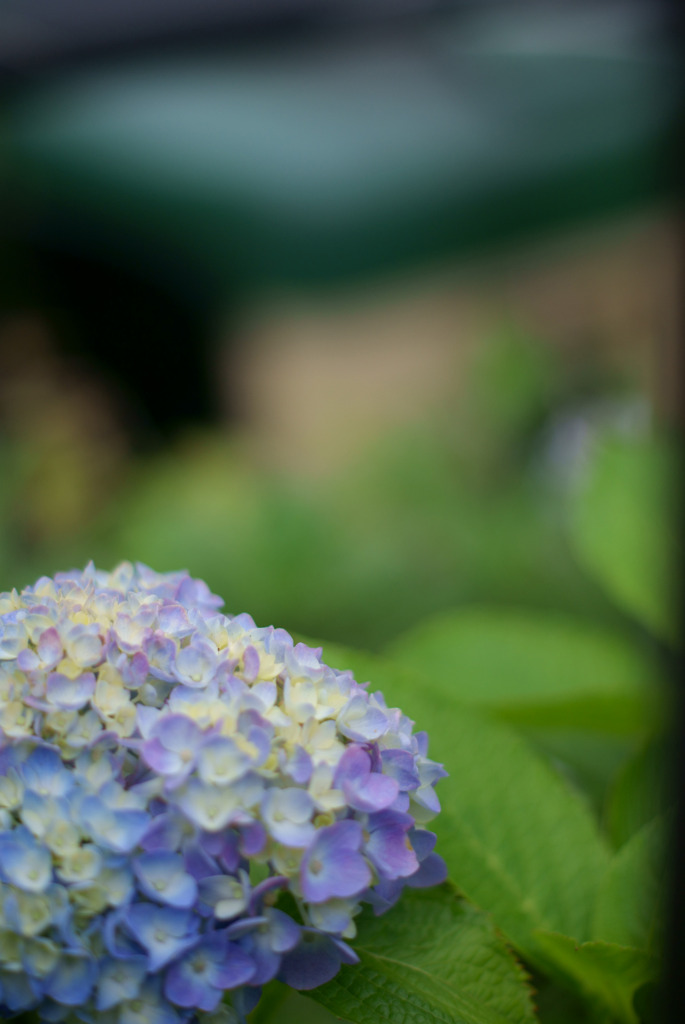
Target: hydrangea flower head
190	805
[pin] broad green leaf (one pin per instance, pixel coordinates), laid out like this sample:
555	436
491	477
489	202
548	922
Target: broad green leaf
600	971
280	1004
641	790
589	761
272	998
623	527
450	936
557	1004
433	957
378	989
518	842
535	668
629	909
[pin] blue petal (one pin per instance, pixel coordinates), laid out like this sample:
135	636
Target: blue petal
120	980
24	863
44	773
162	877
164	932
72	980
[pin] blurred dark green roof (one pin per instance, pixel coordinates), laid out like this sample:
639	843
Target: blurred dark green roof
320	160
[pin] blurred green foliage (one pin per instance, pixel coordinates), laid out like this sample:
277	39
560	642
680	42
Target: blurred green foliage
457	510
624	529
502	574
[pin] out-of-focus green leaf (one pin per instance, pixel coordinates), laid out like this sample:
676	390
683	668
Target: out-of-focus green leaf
588	760
629	910
264	547
623	527
601	972
535	669
517	840
435	958
641	790
357	555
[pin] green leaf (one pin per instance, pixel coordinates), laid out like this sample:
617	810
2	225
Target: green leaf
271	1000
556	1004
600	971
518	842
588	761
279	1004
535	669
447	934
623	528
435	958
641	790
629	909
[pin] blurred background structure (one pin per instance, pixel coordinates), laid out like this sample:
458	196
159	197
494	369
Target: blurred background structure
367	313
245	250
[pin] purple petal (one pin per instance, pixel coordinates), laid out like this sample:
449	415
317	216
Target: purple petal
236	968
199	863
346	835
173	620
134	671
160	758
399	765
161	654
312	963
188	988
361	721
353	766
177	732
432	871
390	853
196	593
333	867
250	664
165	833
146	718
70	694
423	842
421	739
347	954
50	648
384	895
213	966
229	855
364	790
299	766
267	963
252	839
401	803
28	660
376	794
196	664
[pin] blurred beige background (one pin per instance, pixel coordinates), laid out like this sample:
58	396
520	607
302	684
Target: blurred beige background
321	378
